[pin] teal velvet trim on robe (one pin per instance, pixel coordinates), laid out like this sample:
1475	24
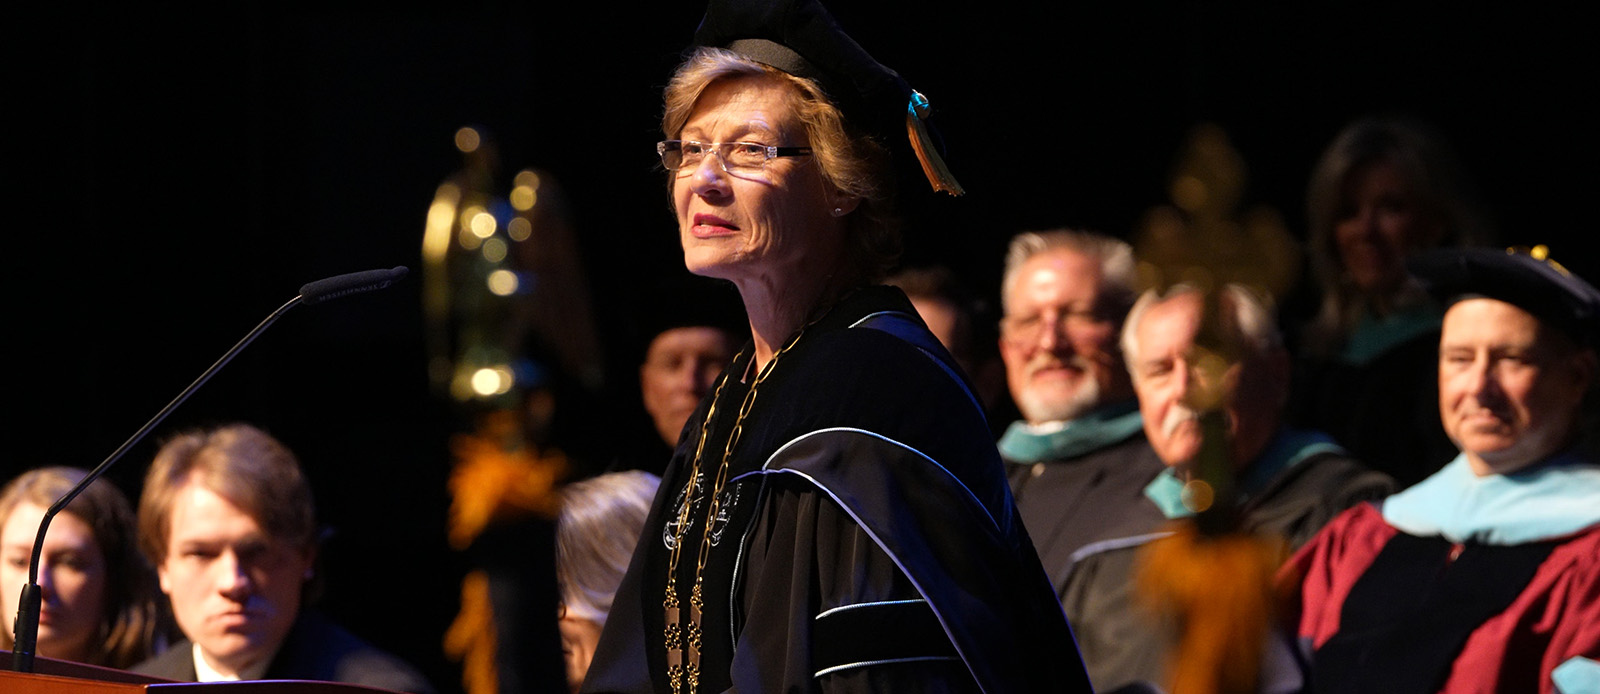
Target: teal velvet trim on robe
1023	443
1287	449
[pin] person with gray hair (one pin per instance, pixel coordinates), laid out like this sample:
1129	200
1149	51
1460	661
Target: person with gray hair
1078	454
598	528
1289	482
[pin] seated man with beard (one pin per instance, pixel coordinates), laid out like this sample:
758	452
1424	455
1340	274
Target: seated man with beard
1078	456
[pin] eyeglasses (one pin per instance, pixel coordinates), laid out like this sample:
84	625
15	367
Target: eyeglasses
735	157
1027	329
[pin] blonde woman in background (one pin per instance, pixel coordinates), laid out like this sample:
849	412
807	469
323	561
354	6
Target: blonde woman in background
1383	190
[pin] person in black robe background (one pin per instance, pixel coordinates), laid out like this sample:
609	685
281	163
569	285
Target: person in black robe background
685	333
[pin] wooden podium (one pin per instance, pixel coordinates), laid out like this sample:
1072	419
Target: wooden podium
63	677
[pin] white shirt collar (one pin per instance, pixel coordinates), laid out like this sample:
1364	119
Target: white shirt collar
203	672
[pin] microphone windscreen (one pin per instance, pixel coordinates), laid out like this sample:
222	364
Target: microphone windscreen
351	283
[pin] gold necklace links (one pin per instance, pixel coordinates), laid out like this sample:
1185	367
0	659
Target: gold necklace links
683	670
673	630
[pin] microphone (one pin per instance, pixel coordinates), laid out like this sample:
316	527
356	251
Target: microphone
26	626
352	283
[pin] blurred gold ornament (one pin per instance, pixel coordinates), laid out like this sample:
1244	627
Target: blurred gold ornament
1220	589
494	481
1212	577
470	638
509	325
1203	237
504	291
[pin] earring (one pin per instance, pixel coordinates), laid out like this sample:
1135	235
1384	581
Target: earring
838	211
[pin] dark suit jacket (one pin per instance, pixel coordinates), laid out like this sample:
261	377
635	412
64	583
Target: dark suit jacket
315	649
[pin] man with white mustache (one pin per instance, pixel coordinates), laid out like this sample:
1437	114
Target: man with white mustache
1078	455
1289	482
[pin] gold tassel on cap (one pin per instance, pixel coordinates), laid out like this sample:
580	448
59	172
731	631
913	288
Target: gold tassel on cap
933	165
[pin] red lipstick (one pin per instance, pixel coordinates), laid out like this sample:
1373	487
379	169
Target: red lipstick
708	225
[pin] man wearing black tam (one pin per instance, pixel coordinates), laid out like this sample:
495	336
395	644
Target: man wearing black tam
1486	575
835	517
687	334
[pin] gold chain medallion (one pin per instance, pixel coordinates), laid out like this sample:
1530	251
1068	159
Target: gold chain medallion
682	671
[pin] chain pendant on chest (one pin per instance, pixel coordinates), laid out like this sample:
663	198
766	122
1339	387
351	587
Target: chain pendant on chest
683	642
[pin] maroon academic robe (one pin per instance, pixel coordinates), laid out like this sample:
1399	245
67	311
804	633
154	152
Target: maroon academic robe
1555	618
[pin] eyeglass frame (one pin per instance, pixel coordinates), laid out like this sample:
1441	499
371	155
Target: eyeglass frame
664	147
1011	327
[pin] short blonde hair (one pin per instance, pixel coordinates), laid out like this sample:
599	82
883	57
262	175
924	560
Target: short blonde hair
853	163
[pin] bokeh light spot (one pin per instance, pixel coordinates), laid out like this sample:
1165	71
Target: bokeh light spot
503	282
467	140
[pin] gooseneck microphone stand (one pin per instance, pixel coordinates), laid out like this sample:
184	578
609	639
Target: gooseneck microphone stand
26	626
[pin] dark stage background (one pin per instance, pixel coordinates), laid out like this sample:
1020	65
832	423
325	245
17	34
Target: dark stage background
175	176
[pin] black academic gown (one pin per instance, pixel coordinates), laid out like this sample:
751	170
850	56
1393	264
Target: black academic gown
1124	644
1072	502
1385	411
867	539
